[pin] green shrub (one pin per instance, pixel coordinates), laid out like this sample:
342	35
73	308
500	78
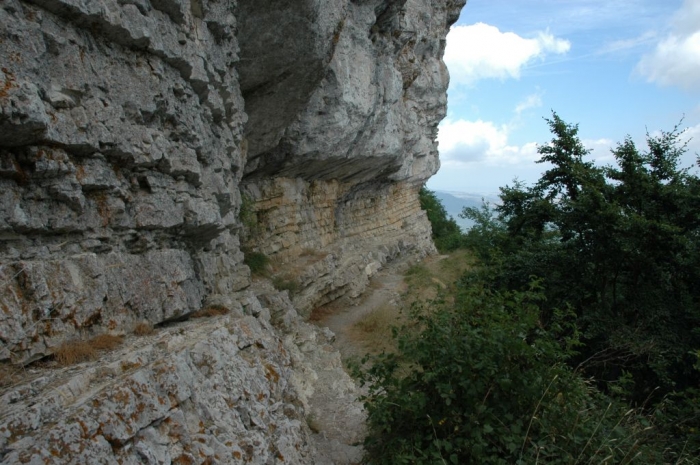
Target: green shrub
482	382
286	283
620	246
258	263
446	232
248	215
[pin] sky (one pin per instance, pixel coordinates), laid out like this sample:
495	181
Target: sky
616	68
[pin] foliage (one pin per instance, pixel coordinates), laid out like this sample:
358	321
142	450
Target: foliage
446	232
620	245
576	340
248	215
258	262
481	381
286	283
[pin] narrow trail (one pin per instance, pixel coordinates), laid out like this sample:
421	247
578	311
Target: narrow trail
386	289
365	327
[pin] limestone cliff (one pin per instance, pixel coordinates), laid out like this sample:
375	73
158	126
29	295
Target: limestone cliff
130	131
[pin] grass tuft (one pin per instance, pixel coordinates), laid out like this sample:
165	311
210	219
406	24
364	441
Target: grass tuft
212	310
9	374
313	424
78	351
375	329
143	328
106	342
320	313
286	283
72	352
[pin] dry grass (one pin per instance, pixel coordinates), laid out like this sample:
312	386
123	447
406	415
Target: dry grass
424	282
212	310
373	331
9	374
143	328
78	351
72	352
435	275
320	313
313	253
106	342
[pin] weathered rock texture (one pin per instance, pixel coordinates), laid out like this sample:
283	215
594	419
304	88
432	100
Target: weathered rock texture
331	237
342	135
120	138
220	390
129	130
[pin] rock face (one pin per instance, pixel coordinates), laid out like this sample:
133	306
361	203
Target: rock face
132	132
219	390
120	138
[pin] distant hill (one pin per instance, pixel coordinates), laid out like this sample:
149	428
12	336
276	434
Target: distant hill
454	202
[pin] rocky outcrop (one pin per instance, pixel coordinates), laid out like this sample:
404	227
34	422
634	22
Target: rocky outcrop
364	102
124	151
132	132
220	390
330	237
120	136
341	136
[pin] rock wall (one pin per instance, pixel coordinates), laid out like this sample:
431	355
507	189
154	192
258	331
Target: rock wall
120	130
131	132
226	389
330	237
123	150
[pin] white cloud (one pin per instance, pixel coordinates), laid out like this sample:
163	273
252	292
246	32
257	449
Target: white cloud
676	59
481	142
692	134
531	101
600	150
481	51
625	45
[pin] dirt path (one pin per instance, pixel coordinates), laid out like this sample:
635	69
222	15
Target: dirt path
365	327
385	292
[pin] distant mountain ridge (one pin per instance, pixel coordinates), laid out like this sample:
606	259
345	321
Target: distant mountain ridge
454	202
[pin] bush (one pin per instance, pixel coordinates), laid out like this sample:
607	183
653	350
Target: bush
620	246
446	232
258	263
483	382
286	283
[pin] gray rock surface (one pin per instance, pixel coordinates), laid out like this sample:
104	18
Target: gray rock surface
217	390
120	129
132	134
365	100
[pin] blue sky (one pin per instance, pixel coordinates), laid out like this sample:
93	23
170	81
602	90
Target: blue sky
616	68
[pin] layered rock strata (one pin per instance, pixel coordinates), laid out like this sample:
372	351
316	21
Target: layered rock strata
130	133
330	237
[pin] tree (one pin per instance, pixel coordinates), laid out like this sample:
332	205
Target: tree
447	234
620	246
